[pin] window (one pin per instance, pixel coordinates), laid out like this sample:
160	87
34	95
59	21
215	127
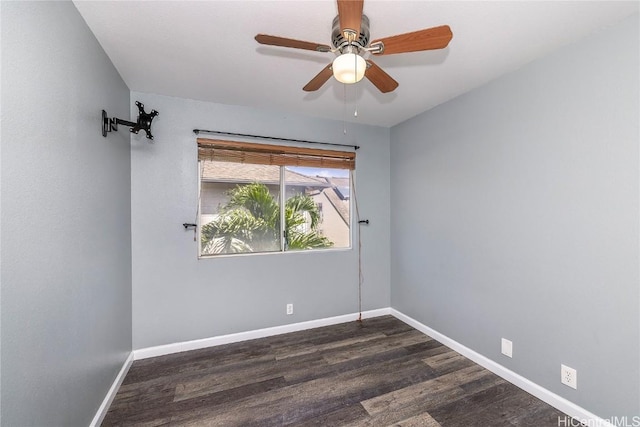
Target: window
268	198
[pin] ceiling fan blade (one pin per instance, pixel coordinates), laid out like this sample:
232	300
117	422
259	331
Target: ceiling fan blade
317	82
296	44
383	81
350	12
427	39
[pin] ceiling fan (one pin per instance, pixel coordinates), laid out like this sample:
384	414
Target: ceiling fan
350	40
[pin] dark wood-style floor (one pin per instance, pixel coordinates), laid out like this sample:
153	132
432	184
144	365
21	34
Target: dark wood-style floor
377	373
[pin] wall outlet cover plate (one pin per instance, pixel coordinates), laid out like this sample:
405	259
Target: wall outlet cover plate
507	348
569	376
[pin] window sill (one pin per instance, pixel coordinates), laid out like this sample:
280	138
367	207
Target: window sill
275	253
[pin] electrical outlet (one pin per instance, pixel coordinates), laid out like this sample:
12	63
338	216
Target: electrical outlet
569	376
289	308
507	348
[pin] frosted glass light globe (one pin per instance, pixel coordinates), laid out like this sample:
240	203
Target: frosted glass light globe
349	68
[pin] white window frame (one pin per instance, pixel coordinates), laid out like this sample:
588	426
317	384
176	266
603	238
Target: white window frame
282	201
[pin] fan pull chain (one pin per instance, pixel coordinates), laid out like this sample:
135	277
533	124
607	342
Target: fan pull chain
355	103
355	96
344	109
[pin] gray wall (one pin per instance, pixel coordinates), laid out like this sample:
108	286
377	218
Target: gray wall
66	248
177	297
515	214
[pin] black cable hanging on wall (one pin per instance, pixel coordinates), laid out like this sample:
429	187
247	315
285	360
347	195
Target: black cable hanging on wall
360	223
272	138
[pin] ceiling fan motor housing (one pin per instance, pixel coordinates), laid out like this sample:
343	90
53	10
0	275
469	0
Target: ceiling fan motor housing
340	42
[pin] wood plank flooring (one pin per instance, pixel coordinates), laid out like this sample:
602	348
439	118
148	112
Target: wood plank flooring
376	373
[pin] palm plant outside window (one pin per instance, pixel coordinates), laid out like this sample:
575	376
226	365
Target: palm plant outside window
247	206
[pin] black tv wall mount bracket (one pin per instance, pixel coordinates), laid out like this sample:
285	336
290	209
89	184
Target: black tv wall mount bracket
143	123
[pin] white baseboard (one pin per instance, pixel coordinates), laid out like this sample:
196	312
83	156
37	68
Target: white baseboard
111	394
162	350
558	402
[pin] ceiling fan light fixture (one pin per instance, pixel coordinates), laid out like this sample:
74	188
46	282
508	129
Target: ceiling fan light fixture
350	38
349	68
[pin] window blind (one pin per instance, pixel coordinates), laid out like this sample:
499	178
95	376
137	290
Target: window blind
267	154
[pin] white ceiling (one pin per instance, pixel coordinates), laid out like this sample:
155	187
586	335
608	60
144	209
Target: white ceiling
206	50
